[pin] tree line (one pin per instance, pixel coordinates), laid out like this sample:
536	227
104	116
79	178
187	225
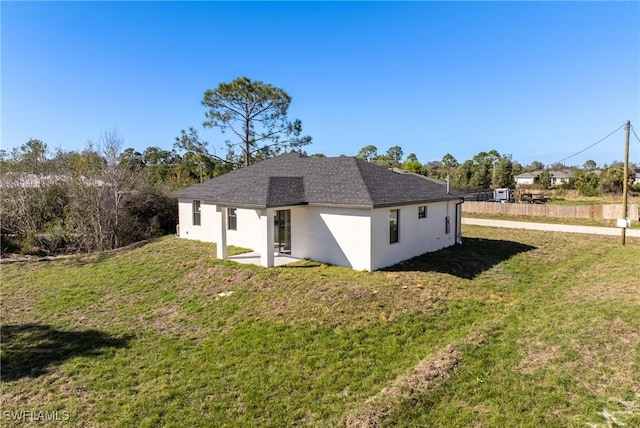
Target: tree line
104	196
492	170
81	201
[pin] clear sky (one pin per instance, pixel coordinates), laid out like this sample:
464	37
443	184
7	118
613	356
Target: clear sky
537	80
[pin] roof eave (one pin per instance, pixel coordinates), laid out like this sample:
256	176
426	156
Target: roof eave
427	201
228	204
288	204
336	205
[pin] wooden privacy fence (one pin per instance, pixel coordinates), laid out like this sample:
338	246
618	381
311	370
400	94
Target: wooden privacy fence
594	212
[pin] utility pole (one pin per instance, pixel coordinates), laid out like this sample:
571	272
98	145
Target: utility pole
625	182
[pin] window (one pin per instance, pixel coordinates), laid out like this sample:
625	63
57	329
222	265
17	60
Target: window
447	225
232	220
422	211
394	226
196	213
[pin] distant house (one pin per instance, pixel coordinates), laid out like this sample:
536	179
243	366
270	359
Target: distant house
529	178
30	181
636	178
34	181
343	211
560	177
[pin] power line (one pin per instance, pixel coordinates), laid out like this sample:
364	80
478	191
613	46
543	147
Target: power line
594	144
634	133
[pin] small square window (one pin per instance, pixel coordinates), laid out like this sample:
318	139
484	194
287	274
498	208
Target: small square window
422	211
196	213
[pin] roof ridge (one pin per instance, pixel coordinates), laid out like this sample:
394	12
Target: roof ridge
360	164
269	188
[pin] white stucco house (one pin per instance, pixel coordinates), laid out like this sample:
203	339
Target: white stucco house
529	178
343	211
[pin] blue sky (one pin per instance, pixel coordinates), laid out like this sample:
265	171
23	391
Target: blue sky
537	80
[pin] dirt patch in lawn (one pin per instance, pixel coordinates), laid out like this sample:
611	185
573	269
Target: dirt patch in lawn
539	355
428	374
207	281
338	302
169	320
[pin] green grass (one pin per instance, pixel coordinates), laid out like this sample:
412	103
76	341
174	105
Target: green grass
510	329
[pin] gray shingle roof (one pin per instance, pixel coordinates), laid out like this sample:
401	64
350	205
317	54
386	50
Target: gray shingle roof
294	179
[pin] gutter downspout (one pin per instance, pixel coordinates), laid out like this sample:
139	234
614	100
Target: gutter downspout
459	222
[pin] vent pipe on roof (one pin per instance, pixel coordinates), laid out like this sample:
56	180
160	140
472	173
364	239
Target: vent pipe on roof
448	185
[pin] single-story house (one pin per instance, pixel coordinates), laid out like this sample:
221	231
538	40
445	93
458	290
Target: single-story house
339	210
529	178
34	181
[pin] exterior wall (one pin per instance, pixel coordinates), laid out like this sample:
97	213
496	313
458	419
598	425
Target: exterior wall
523	181
248	232
208	229
340	236
349	237
417	235
556	181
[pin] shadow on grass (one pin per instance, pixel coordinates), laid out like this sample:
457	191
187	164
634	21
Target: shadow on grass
304	263
466	261
30	350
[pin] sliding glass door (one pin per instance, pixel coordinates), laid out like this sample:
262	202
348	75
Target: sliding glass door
282	231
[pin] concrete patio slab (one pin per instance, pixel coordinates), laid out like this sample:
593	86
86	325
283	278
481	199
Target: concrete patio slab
253	258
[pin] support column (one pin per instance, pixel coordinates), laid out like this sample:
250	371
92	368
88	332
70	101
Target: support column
221	212
266	237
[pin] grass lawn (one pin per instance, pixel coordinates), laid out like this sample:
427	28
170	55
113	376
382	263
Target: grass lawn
513	328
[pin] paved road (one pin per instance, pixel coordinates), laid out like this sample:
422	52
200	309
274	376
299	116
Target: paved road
550	227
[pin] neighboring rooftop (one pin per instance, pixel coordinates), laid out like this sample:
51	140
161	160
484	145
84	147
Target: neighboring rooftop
295	179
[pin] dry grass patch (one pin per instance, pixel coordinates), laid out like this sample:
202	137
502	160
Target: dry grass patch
361	299
610	351
538	355
169	319
429	374
207	281
601	353
604	282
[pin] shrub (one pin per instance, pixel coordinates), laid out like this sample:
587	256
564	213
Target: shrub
589	190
